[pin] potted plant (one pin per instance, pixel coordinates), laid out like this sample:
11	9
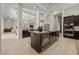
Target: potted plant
40	29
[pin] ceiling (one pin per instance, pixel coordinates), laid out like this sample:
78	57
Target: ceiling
27	17
10	9
46	7
42	7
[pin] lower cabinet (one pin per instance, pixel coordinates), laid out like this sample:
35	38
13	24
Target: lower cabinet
76	34
41	41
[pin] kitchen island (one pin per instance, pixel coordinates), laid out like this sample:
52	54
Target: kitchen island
42	40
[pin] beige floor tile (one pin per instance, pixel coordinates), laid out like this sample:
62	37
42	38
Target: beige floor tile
64	46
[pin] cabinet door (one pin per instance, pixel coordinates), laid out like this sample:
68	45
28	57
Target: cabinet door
69	19
45	39
76	20
35	40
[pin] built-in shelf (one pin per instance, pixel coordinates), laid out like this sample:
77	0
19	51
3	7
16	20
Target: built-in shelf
71	26
68	34
69	29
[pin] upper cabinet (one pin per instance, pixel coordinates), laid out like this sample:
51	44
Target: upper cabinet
73	18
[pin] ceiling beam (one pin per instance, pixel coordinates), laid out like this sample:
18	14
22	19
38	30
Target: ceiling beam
38	4
26	10
31	11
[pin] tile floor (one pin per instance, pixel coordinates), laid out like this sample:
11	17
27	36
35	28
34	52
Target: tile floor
63	46
9	35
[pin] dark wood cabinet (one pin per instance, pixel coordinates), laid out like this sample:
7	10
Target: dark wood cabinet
76	20
26	33
42	40
69	19
7	30
76	34
70	22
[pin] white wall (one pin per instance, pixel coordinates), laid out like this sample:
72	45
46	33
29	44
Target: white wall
54	23
51	19
71	11
8	24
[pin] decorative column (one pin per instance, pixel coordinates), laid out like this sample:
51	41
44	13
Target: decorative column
62	21
52	21
19	22
46	21
2	19
37	20
0	28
